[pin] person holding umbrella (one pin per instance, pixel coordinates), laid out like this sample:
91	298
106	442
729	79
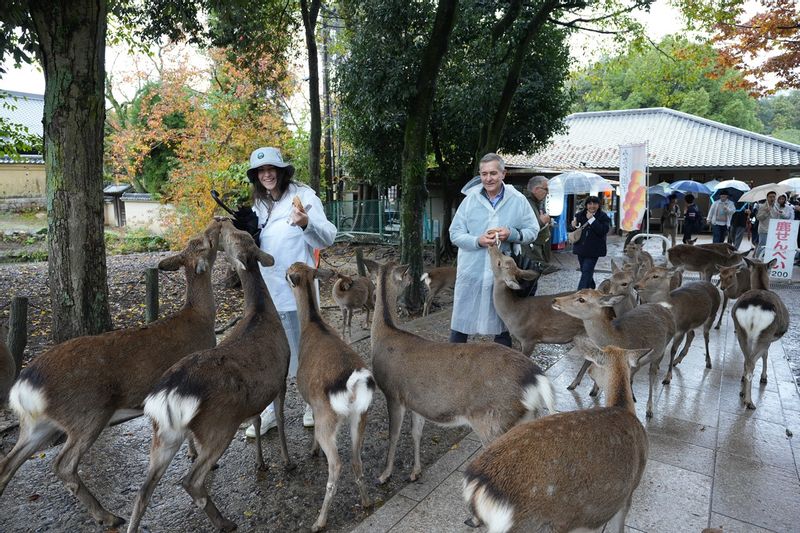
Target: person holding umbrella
719	217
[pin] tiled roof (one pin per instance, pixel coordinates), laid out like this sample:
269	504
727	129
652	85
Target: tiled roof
29	109
24	159
675	140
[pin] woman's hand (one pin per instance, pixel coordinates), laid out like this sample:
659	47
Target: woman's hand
299	218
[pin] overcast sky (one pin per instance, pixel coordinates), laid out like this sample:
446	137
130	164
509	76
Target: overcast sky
662	20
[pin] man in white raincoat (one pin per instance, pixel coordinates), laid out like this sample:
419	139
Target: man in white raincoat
487	209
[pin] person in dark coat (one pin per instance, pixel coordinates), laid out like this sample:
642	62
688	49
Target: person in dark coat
592	244
692	219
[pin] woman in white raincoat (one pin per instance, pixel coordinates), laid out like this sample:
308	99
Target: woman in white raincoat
490	206
289	235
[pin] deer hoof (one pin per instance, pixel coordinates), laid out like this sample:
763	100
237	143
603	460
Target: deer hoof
569	387
227	525
665	381
763	379
649	414
472	522
111	521
708	365
317	527
381	480
750	405
414	476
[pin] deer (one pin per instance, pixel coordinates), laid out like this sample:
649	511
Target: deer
530	319
703	260
8	366
639	259
760	318
569	471
733	282
351	293
719	247
487	386
692	305
333	379
436	280
80	386
646	326
209	393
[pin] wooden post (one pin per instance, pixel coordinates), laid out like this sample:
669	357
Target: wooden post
437	246
151	279
18	329
362	269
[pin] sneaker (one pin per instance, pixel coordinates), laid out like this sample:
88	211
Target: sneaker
308	417
268	421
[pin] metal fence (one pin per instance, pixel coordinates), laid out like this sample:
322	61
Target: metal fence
376	218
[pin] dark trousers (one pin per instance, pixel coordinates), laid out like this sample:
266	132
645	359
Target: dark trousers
687	233
503	338
718	232
587	272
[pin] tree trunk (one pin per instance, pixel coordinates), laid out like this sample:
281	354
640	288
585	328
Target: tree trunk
414	148
326	86
71	36
310	14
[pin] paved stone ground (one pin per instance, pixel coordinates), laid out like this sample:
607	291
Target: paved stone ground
712	463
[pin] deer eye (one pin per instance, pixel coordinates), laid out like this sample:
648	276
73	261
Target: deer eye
624	284
581	300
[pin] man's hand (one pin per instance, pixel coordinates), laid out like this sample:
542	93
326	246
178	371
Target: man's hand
492	236
544	219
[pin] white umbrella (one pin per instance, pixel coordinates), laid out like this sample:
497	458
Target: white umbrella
711	184
578	182
756	194
793	183
732	184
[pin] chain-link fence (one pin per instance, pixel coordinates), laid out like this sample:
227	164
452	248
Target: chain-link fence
378	218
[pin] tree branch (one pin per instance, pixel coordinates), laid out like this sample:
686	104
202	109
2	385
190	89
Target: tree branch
583	28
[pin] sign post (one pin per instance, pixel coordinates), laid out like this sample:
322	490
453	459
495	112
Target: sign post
781	245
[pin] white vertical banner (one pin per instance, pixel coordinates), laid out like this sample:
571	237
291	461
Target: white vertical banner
632	185
781	245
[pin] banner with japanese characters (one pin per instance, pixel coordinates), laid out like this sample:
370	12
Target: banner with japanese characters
781	245
632	185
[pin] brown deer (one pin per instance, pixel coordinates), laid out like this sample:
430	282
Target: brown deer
436	280
760	318
350	294
488	386
703	260
733	282
567	471
334	380
692	305
79	386
209	393
646	326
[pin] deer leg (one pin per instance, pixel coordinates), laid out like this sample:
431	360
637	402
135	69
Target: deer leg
344	320
706	334
191	452
676	341
279	403
417	423
162	451
211	446
764	354
579	377
66	468
653	379
261	466
358	424
617	522
749	367
396	413
325	430
32	435
686	345
722	312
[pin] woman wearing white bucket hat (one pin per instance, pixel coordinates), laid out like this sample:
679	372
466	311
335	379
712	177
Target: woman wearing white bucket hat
289	235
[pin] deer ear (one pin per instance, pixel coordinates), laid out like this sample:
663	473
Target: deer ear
293	279
614	267
512	284
264	258
611	300
530	275
171	263
772	263
748	261
372	266
597	357
634	356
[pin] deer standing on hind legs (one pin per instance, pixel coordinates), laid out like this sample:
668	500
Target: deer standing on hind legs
79	386
567	471
209	393
760	318
488	386
334	380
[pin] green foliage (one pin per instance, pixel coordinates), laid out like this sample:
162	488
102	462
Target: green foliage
16	139
781	115
133	241
377	78
679	74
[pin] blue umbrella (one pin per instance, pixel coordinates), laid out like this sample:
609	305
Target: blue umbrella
690	186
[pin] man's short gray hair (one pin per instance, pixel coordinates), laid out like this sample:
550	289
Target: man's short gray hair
491	156
536	181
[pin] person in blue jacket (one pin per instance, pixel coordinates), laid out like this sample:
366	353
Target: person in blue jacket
491	212
592	244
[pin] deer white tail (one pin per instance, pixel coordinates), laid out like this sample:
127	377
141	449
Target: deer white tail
27	400
539	395
171	410
426	279
753	320
357	394
498	515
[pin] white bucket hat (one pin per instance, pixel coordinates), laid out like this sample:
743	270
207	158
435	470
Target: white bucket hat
267	156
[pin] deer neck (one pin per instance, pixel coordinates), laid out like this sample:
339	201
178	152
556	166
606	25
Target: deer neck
307	309
200	293
600	327
385	316
256	295
619	392
759	279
